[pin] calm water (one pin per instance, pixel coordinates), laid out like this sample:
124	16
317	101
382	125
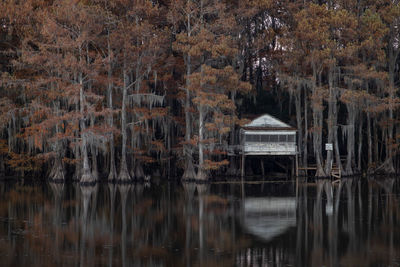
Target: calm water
352	223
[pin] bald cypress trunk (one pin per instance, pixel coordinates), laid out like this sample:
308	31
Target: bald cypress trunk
94	152
123	172
232	170
369	134
87	176
305	143
201	174
331	122
112	175
393	54
317	124
335	129
369	137
189	172
2	166
136	168
298	117
360	140
376	144
349	132
57	172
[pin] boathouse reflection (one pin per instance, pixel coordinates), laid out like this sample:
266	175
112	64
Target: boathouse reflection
268	217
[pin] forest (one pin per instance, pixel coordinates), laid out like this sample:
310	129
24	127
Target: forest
125	89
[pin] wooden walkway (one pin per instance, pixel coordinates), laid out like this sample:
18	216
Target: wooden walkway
335	171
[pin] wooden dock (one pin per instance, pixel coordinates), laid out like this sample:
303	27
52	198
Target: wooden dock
335	171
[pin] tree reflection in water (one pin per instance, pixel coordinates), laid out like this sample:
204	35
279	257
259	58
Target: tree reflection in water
357	230
353	222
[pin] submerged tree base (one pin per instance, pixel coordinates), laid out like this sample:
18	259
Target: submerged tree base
57	177
386	167
88	183
57	181
57	172
125	181
202	175
87	179
139	172
195	181
124	176
189	173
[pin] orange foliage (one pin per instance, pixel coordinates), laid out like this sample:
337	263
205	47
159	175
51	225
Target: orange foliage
215	165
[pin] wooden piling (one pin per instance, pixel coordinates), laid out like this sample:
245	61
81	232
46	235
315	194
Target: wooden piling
243	165
262	167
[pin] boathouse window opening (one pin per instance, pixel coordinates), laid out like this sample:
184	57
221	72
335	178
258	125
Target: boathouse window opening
270	138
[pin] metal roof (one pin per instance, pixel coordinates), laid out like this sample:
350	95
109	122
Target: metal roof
267	121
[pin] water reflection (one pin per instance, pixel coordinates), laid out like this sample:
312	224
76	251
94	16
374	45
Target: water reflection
353	222
350	223
269	217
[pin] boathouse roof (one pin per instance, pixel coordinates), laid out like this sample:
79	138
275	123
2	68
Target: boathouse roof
267	122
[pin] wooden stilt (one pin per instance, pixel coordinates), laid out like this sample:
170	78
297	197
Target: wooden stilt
297	165
297	191
292	170
243	165
262	167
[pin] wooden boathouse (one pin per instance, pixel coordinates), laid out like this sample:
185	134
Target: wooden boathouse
268	136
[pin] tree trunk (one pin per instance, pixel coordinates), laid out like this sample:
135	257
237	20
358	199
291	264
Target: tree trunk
57	172
87	176
376	144
139	173
112	175
94	150
201	173
369	137
360	140
317	123
136	168
335	132
337	151
331	122
305	143
389	168
318	143
95	168
78	165
2	166
189	172
298	117
384	141
349	131
123	172
232	169
86	173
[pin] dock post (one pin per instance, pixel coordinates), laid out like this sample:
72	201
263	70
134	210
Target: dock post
262	167
297	165
293	165
243	165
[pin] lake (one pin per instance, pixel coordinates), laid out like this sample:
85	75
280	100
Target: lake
354	222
